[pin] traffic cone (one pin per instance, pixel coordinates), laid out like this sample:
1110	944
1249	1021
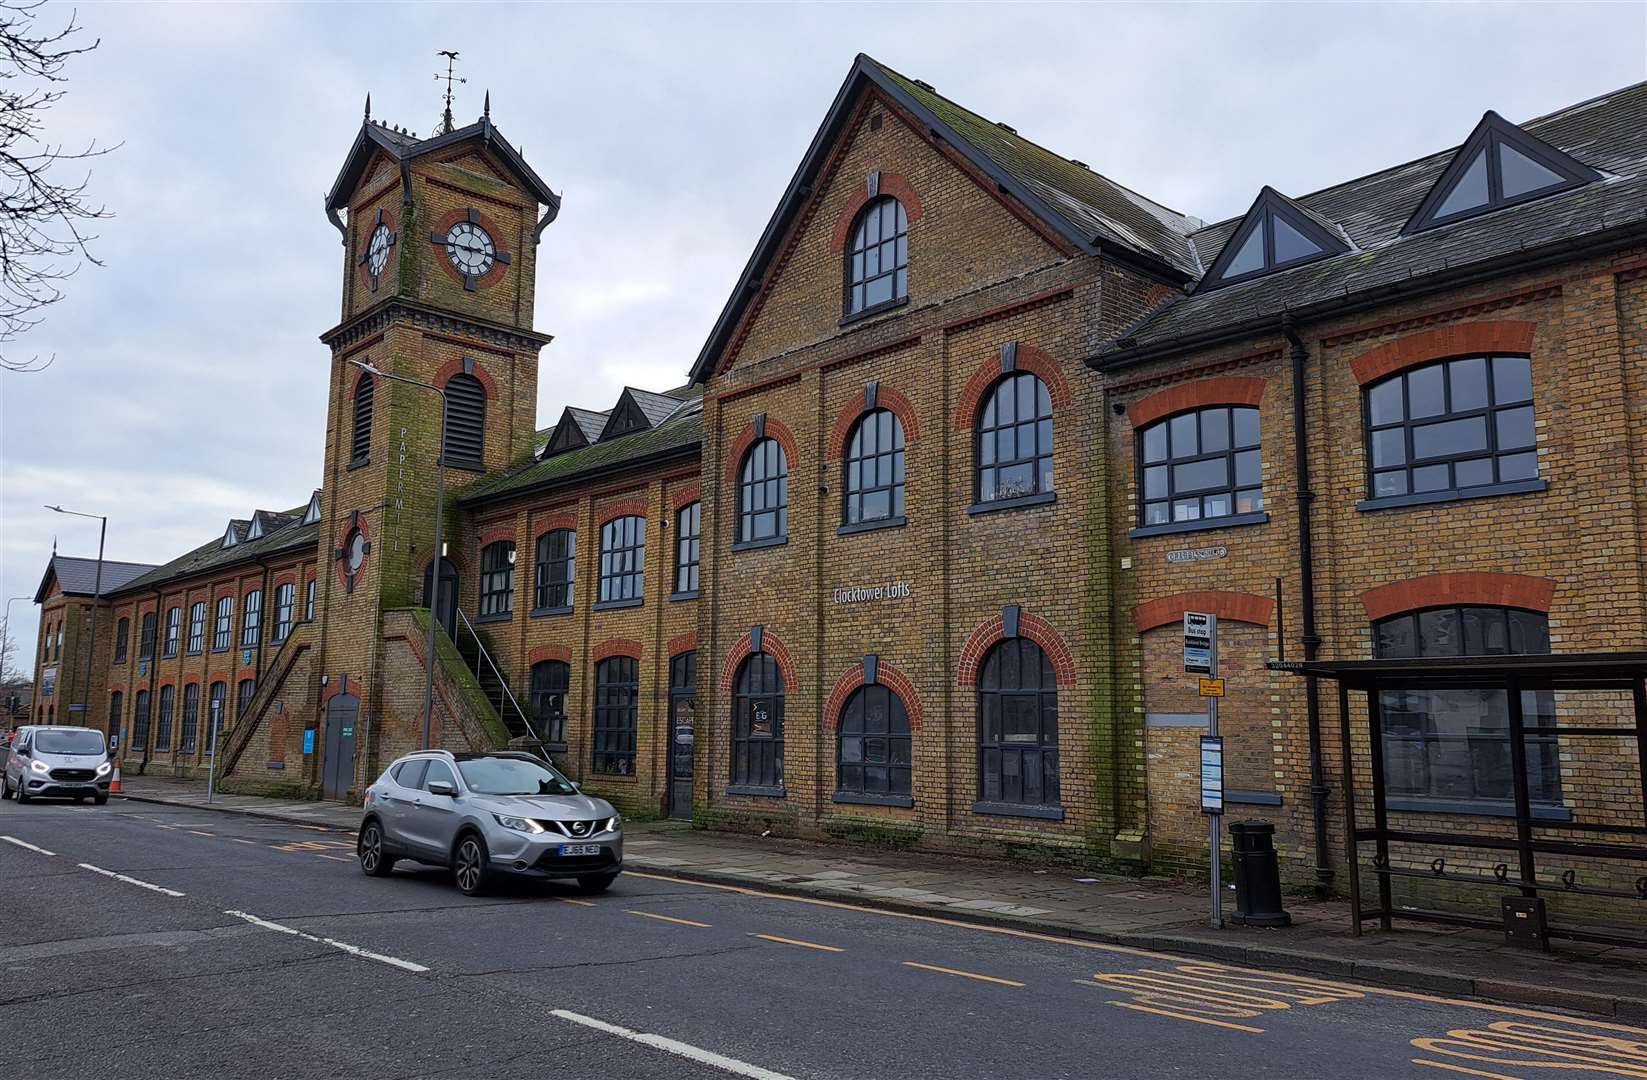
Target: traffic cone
114	784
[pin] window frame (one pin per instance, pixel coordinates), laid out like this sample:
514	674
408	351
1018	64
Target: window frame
555	577
616	714
142	702
855	280
688	550
1046	743
542	689
987	423
285	610
854	492
309	600
197	628
496	594
243	697
251	619
174	633
189	740
1231	453
897	731
163	718
766	778
772	484
122	634
223	625
217	698
622	562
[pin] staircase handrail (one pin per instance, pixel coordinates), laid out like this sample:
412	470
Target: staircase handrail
480	648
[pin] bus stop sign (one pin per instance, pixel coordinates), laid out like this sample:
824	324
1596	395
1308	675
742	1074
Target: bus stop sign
1199	628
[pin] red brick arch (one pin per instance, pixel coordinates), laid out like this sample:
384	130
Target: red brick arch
617	647
890	184
1470	587
988	373
775	429
549	652
687	642
770	644
1222	390
1233	606
635	507
885	675
289	578
686	496
365	376
335	687
885	398
455	367
493	535
1030	626
1464	339
565	520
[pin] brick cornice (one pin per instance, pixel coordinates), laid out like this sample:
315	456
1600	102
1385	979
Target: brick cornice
400	310
1461	339
542	653
1469	587
988	373
1220	390
775	429
772	645
1231	606
885	675
617	647
891	184
887	398
1030	626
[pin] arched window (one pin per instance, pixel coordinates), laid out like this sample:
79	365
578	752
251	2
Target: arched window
362	445
285	610
223	628
1446	747
497	580
1451	425
116	699
550	681
873	761
309	601
191	718
140	722
757	726
1017	726
874	488
1015	440
763	494
1200	464
556	570
163	722
197	627
251	622
877	259
247	691
688	535
215	704
617	686
623	560
174	627
122	632
465	421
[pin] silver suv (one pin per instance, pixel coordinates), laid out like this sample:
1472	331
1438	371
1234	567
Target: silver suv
488	814
59	761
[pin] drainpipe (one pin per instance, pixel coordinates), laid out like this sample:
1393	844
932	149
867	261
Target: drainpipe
1300	354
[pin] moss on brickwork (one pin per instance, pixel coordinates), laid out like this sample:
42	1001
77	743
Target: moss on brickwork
452	665
785	824
873	832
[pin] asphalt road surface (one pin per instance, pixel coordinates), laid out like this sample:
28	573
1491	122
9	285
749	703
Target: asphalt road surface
146	941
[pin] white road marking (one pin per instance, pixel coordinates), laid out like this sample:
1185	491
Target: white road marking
672	1046
129	880
23	844
352	950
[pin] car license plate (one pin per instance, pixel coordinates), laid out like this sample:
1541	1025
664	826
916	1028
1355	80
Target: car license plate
580	849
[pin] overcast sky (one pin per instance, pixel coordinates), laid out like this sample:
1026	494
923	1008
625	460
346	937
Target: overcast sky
189	386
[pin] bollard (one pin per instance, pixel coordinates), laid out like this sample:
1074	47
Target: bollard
1257	876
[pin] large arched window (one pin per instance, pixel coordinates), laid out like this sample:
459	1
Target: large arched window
191	718
688	537
1201	464
874	489
1450	426
617	686
285	611
873	759
251	620
163	722
550	681
243	698
140	722
757	726
174	628
1017	727
197	627
877	259
122	632
216	702
223	628
497	580
763	494
465	421
1015	440
623	560
556	570
1450	749
116	699
361	447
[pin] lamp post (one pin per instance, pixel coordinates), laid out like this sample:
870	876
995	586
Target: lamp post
434	563
5	635
97	598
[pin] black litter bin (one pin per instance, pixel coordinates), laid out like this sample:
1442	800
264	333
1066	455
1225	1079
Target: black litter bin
1257	877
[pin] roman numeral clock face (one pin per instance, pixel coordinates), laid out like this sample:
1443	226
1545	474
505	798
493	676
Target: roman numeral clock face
471	250
376	256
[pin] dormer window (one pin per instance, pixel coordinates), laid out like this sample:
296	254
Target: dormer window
312	513
256	531
1498	165
231	537
1277	233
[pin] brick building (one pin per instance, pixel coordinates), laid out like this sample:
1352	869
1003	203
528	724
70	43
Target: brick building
904	558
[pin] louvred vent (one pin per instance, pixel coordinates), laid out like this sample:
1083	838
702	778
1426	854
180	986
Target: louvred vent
465	420
363	419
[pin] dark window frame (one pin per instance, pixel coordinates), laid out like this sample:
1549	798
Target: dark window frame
894	782
757	759
309	601
998	699
245	690
174	633
197	628
1231	455
617	702
497	580
189	741
986	440
251	619
623	561
122	634
140	720
217	704
551	682
688	548
163	719
223	625
857	280
889	429
285	611
763	494
1489	135
554	586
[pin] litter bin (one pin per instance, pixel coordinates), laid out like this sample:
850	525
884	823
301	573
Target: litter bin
1257	877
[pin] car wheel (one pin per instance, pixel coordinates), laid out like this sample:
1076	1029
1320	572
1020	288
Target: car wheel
22	796
596	882
374	861
5	786
100	800
469	865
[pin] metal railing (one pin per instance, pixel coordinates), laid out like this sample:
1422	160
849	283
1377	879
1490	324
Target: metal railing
508	707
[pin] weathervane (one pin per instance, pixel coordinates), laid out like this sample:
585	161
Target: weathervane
449	78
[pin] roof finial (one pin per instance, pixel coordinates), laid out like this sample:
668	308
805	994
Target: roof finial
446	124
486	111
368	107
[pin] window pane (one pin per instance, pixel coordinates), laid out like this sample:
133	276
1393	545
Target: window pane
1518	467
1199	475
1515	428
1470	191
1450	438
1186	510
1155	513
1431	478
1291	244
1246	426
1384	402
1184	440
1473	473
1250	257
1215	430
1512	379
1390	447
1468	380
1155	482
1439	632
1246	468
1520	174
1424	397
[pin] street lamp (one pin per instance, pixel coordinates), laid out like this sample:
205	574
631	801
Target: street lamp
434	564
97	598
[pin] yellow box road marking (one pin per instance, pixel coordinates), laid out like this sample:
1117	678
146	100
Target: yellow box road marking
962	974
1184	1016
793	941
1462	1069
669	918
579	903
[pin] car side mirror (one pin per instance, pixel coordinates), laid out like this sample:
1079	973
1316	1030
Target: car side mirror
441	787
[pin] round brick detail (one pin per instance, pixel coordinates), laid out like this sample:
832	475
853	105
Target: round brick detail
1471	587
1234	606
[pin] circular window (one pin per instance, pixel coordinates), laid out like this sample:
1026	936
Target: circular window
355	551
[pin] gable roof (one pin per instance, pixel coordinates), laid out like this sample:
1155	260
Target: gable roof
1089	211
289	534
78	577
1326	237
1607	133
576	427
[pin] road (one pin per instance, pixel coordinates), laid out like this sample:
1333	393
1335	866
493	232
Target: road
148	941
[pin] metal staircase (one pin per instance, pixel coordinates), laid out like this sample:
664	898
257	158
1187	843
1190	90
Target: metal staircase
492	683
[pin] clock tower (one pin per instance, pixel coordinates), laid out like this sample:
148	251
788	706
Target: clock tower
440	237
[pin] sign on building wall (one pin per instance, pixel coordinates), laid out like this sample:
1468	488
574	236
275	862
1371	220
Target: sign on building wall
1189	555
868	594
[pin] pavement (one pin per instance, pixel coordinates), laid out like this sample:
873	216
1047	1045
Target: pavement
1128	912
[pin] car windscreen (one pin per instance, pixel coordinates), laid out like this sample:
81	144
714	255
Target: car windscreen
47	741
513	776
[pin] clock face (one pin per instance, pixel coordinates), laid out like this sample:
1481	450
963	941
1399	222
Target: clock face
377	251
471	249
355	553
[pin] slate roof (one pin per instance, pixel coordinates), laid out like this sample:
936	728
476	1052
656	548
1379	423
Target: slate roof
78	577
1608	133
657	407
680	434
212	555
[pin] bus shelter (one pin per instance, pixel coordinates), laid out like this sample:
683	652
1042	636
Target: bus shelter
1600	856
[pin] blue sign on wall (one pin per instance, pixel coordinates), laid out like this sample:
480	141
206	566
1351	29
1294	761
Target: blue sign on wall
309	740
